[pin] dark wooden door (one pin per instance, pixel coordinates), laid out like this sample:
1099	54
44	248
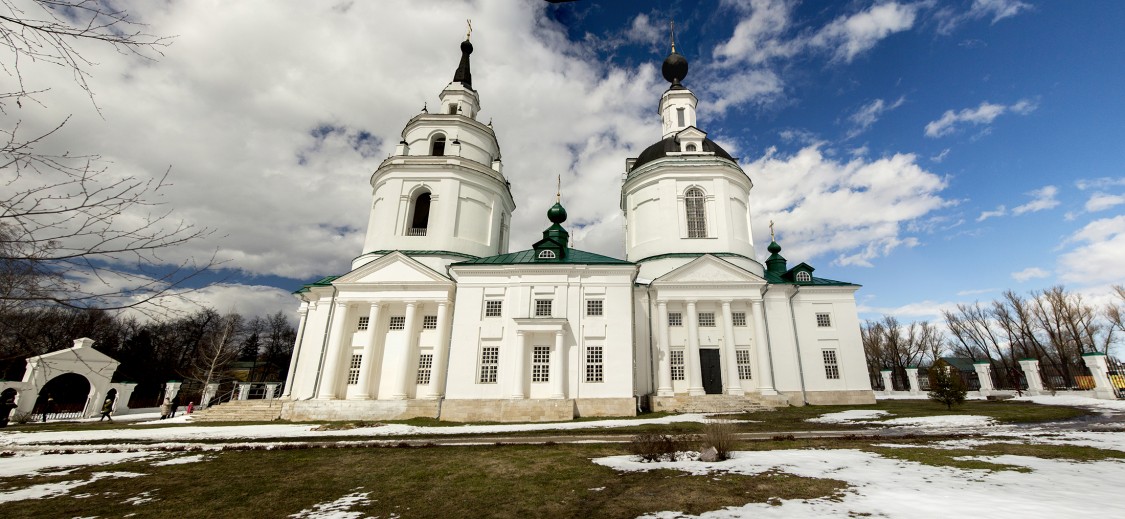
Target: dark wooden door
712	371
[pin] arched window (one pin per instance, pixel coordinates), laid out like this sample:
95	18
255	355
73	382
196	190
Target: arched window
453	109
690	148
420	220
696	216
804	277
437	149
546	254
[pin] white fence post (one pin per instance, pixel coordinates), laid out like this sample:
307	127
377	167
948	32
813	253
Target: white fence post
1099	369
1031	373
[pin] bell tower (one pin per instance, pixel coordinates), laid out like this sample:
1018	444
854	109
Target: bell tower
442	197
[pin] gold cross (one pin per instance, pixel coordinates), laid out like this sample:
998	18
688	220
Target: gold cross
558	191
470	33
771	231
673	26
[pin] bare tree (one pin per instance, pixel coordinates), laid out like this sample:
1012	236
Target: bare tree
218	349
1115	310
70	233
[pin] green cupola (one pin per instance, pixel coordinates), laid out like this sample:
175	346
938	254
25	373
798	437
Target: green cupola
553	246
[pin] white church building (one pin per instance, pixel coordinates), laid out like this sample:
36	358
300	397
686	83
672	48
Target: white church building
438	319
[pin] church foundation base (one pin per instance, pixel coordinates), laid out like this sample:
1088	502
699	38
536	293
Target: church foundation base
605	407
683	403
857	397
526	410
305	410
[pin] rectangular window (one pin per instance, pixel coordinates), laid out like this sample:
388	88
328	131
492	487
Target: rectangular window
353	369
493	307
542	308
363	323
540	363
398	322
489	361
831	367
738	318
593	307
429	322
680	117
743	357
677	364
425	367
594	372
823	320
675	319
707	319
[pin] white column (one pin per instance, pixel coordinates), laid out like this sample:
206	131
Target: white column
408	355
271	388
171	389
665	351
332	362
291	377
734	385
1099	369
761	345
1031	374
912	376
366	374
691	357
243	391
984	374
558	368
519	373
441	351
888	382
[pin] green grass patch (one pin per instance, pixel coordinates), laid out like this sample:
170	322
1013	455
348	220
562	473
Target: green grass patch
485	481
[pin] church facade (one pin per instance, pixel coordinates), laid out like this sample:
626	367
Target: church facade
438	319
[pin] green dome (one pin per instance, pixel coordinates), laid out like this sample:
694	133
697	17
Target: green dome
774	248
556	214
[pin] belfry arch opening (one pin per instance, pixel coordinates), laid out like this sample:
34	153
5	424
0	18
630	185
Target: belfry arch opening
419	214
437	146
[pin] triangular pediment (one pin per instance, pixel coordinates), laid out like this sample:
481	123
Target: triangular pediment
691	133
396	268
708	270
79	354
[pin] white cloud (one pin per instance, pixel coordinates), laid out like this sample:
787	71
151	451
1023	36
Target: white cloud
847	37
977	291
1042	199
1000	211
940	156
995	10
643	30
1103	201
754	86
1099	183
1030	273
1096	260
918	311
869	113
822	206
761	36
981	115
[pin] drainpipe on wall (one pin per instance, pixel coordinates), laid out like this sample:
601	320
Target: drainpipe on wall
797	343
324	343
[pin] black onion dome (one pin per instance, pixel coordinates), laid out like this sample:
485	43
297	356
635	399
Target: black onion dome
675	68
467	47
464	75
662	148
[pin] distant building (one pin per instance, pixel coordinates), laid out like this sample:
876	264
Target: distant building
437	318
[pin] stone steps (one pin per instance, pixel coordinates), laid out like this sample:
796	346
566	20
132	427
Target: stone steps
709	404
241	411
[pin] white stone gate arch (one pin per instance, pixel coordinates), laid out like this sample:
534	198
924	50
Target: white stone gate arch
81	359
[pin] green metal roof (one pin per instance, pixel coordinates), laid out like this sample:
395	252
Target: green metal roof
325	281
573	257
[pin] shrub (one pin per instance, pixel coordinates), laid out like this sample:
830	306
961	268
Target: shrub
658	447
720	435
945	386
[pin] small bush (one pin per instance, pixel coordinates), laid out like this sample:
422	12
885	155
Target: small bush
658	447
720	435
945	386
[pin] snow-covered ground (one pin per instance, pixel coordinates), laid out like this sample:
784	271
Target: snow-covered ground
879	486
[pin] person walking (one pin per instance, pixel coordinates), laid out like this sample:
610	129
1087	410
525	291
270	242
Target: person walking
190	407
165	408
48	406
175	406
107	408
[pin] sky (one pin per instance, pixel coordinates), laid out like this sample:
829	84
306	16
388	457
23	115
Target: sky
935	152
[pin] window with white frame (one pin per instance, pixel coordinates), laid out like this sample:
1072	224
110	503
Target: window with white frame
594	307
738	318
398	322
677	362
803	277
429	322
353	369
706	319
489	362
540	363
675	319
546	254
363	323
542	308
694	201
425	367
743	359
823	320
594	367
831	366
492	307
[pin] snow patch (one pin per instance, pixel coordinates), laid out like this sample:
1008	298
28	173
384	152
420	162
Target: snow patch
338	509
848	416
47	490
180	460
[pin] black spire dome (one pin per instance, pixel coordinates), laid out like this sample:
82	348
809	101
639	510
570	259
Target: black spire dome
675	66
463	74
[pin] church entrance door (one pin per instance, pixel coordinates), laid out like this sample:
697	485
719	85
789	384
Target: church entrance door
712	371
